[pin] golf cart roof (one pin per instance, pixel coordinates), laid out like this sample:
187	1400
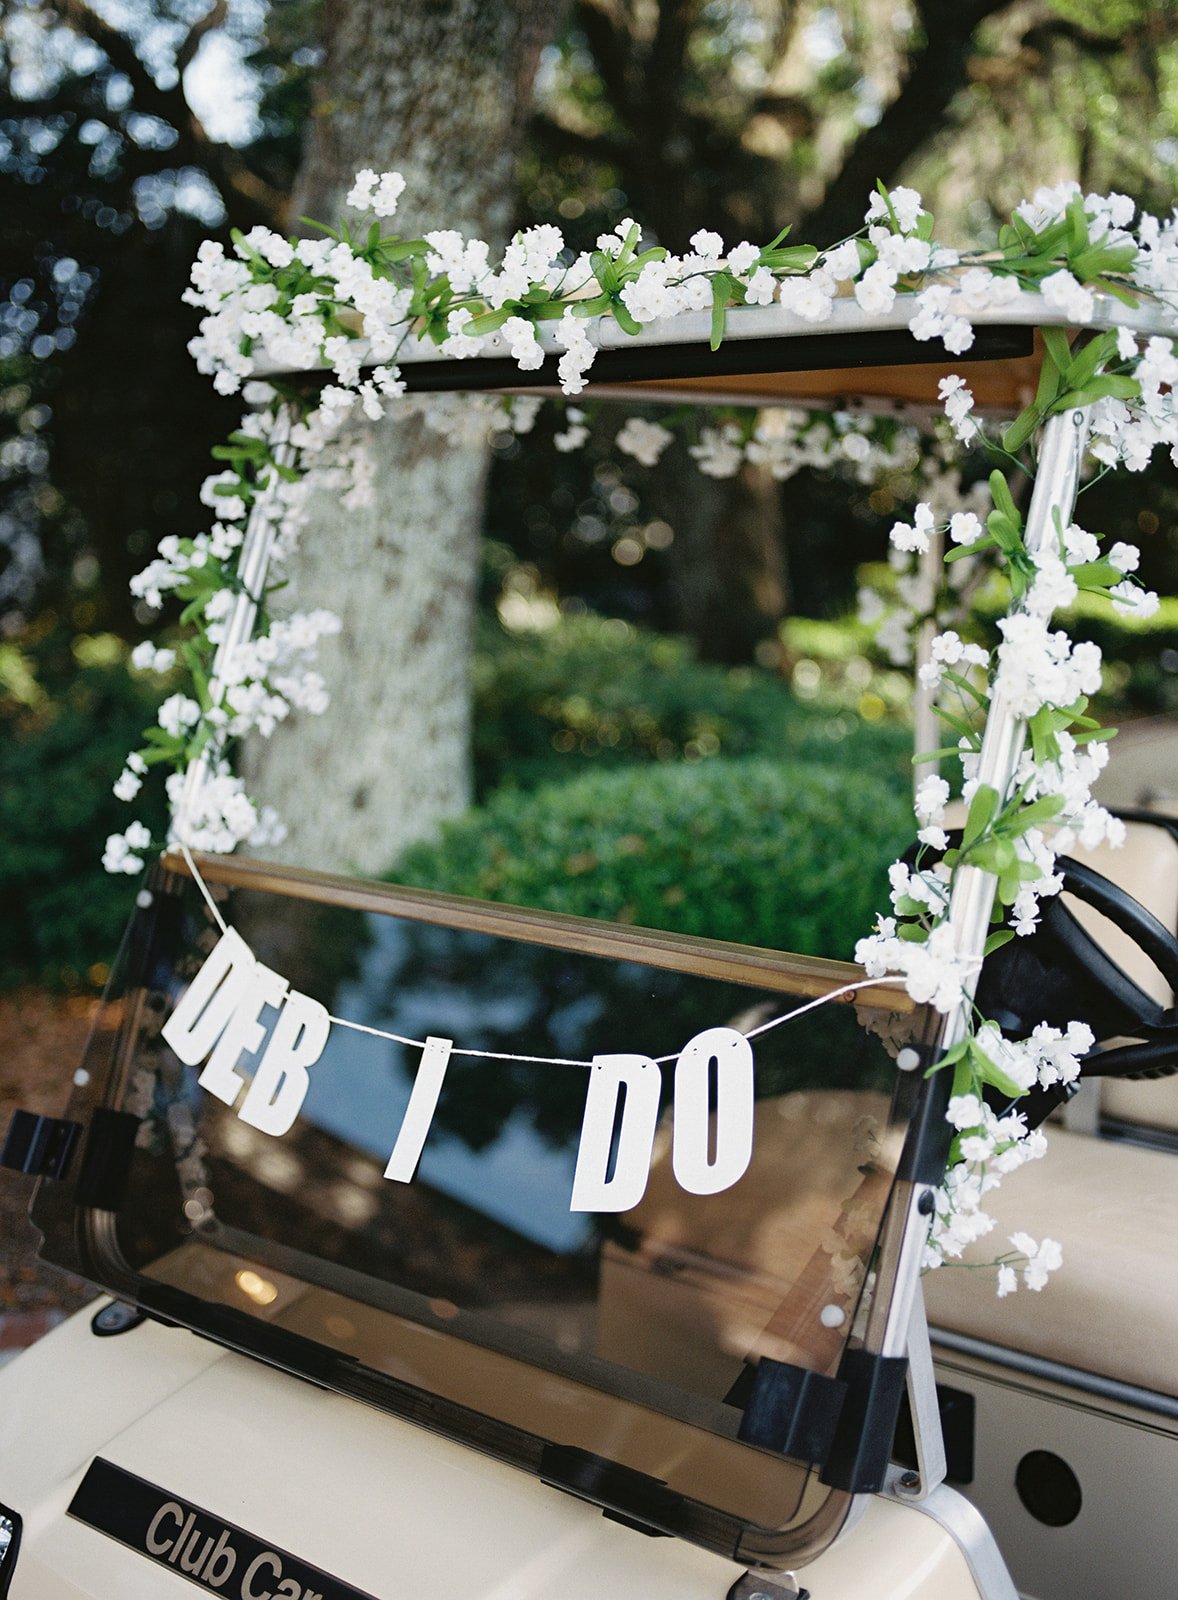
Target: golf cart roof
770	356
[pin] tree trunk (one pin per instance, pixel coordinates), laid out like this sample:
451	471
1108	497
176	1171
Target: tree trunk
438	92
727	559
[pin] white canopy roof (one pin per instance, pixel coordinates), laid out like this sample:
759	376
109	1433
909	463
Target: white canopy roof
770	356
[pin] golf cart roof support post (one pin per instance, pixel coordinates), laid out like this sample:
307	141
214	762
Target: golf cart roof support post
922	1403
925	737
905	1230
256	551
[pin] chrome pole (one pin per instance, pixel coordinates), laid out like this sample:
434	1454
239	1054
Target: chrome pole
925	735
905	1232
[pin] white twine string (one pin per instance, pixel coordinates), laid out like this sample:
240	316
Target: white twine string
204	889
539	1061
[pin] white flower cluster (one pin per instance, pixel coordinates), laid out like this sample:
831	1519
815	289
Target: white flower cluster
786	442
1127	432
991	1146
643	440
221	816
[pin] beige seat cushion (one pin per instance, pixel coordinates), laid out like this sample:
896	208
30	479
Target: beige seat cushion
1112	1308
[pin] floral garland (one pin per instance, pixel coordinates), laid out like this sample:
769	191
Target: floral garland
303	304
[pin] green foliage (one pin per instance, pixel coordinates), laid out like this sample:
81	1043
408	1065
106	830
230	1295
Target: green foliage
596	691
789	857
58	759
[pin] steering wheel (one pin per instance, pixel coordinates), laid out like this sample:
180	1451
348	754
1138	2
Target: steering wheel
1062	973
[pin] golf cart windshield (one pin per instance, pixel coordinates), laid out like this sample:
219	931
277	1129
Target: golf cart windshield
611	1351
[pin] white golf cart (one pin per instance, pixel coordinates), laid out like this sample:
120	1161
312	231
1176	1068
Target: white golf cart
549	1391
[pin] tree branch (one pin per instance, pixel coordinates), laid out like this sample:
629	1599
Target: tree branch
612	52
921	108
209	23
248	199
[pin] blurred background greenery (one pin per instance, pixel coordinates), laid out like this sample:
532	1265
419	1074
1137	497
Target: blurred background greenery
651	645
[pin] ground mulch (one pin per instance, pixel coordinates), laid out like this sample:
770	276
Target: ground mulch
41	1041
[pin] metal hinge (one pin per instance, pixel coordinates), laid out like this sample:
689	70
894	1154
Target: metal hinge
767	1586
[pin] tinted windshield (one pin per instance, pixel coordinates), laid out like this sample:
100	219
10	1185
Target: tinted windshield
628	1331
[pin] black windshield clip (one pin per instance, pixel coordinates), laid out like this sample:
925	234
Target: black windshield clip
40	1147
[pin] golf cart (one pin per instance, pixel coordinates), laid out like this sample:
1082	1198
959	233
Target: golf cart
644	1323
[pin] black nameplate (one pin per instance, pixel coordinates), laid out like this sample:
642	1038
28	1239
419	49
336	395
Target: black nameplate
219	1556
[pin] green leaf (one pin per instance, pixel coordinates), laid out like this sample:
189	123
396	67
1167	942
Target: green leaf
966	687
1044	745
958	724
1118	385
1077	224
604	271
1006	531
997	940
1055	342
880	189
1042	810
1095	353
955	1053
624	319
1093	734
986	542
1024	425
777	238
982	810
991	1073
942	754
721	292
912	933
1096	574
403	249
1128	296
794	258
906	906
629	245
488	322
1101	258
964	1073
1003	499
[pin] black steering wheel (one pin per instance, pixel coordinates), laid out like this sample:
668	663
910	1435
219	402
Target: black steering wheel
1061	973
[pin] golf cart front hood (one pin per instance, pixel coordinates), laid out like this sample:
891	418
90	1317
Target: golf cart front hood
384	1508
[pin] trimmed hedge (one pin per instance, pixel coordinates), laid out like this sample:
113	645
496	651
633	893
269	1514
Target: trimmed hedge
594	692
791	858
63	915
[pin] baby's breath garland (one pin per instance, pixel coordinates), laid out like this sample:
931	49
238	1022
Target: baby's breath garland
353	299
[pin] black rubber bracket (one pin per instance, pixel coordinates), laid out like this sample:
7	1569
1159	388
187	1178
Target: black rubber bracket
106	1164
862	1447
792	1411
41	1147
633	1498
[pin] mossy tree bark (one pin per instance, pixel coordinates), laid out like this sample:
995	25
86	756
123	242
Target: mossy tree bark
439	92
